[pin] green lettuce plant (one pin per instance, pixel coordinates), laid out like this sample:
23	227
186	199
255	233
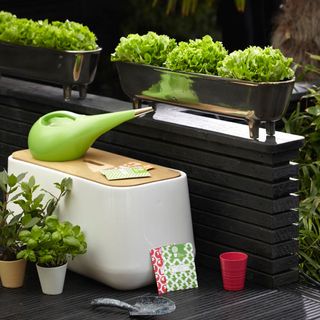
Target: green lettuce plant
200	55
256	64
58	35
51	244
149	48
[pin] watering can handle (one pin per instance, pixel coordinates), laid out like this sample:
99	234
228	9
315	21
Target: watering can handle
47	118
106	302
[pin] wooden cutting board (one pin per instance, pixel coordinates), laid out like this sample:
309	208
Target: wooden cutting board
94	160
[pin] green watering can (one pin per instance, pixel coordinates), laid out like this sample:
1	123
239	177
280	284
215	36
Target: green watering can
64	135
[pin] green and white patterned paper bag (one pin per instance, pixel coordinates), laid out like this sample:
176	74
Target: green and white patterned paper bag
174	267
125	173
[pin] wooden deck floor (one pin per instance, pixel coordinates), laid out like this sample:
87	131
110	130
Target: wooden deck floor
209	301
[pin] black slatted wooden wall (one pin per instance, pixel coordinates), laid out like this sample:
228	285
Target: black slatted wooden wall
242	191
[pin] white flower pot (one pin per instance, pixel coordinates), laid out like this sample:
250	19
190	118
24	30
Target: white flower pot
52	279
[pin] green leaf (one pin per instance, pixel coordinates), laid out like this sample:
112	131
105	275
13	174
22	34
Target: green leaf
315	110
52	222
21	176
56	236
25	188
32	243
256	64
31	222
149	48
3	181
71	241
200	55
37	202
24	234
12	180
313	263
66	35
31	182
15	219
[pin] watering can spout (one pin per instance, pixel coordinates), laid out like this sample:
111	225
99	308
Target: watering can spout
64	135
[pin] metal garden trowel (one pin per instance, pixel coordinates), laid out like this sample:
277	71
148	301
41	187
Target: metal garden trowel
144	306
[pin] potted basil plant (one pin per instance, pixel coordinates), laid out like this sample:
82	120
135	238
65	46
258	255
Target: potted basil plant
50	246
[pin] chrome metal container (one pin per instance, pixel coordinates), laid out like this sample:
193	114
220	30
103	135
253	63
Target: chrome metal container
66	68
254	101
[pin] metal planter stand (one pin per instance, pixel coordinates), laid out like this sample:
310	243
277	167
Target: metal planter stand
67	68
255	102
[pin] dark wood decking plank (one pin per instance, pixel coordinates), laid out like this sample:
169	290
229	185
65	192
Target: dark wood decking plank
209	301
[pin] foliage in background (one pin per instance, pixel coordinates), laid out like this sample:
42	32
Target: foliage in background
256	64
145	17
190	6
199	55
149	48
307	123
66	35
187	6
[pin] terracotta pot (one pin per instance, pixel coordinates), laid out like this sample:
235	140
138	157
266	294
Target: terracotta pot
12	273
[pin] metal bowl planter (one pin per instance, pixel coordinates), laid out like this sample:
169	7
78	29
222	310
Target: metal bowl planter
66	68
254	101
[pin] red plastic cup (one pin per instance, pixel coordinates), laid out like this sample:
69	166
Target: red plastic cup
233	269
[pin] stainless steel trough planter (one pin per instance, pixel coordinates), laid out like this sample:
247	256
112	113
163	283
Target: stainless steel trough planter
66	68
254	101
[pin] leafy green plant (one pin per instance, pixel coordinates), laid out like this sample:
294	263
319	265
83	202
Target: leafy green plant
33	204
309	220
51	244
200	55
58	35
33	209
256	64
149	48
307	123
10	224
205	56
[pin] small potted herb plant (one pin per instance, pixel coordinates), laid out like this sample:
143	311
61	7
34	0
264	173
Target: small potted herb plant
50	246
64	53
22	207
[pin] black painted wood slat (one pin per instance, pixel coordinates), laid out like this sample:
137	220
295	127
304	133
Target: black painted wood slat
246	229
206	159
255	262
255	217
243	199
270	281
223	149
267	189
243	243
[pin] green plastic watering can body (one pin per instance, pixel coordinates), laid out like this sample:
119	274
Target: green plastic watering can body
64	135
